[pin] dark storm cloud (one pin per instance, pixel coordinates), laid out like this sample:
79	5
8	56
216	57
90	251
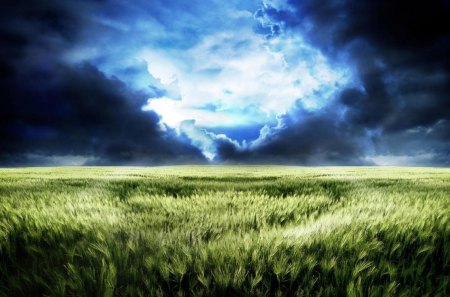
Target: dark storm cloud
399	51
303	138
66	88
51	109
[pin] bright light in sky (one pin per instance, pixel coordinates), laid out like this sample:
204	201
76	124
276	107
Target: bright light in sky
240	79
233	71
249	82
229	69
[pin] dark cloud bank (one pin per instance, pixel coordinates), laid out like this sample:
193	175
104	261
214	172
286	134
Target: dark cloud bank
399	50
52	112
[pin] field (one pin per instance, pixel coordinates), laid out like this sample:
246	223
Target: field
224	231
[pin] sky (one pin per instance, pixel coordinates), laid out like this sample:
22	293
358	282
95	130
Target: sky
152	82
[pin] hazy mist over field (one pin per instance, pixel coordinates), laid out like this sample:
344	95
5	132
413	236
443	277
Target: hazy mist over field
332	82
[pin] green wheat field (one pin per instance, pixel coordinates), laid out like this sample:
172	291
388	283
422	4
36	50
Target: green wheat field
225	231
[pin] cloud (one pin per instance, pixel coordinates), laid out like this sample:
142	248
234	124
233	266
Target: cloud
237	69
303	137
54	112
82	112
329	82
236	79
396	108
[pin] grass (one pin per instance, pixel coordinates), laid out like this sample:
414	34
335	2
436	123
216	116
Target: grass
224	231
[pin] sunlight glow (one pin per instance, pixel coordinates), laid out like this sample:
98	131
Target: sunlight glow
240	78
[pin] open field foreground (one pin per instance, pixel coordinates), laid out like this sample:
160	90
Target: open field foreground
224	231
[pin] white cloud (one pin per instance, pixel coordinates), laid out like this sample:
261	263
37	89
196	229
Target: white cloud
240	78
203	139
238	70
162	67
174	112
278	4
